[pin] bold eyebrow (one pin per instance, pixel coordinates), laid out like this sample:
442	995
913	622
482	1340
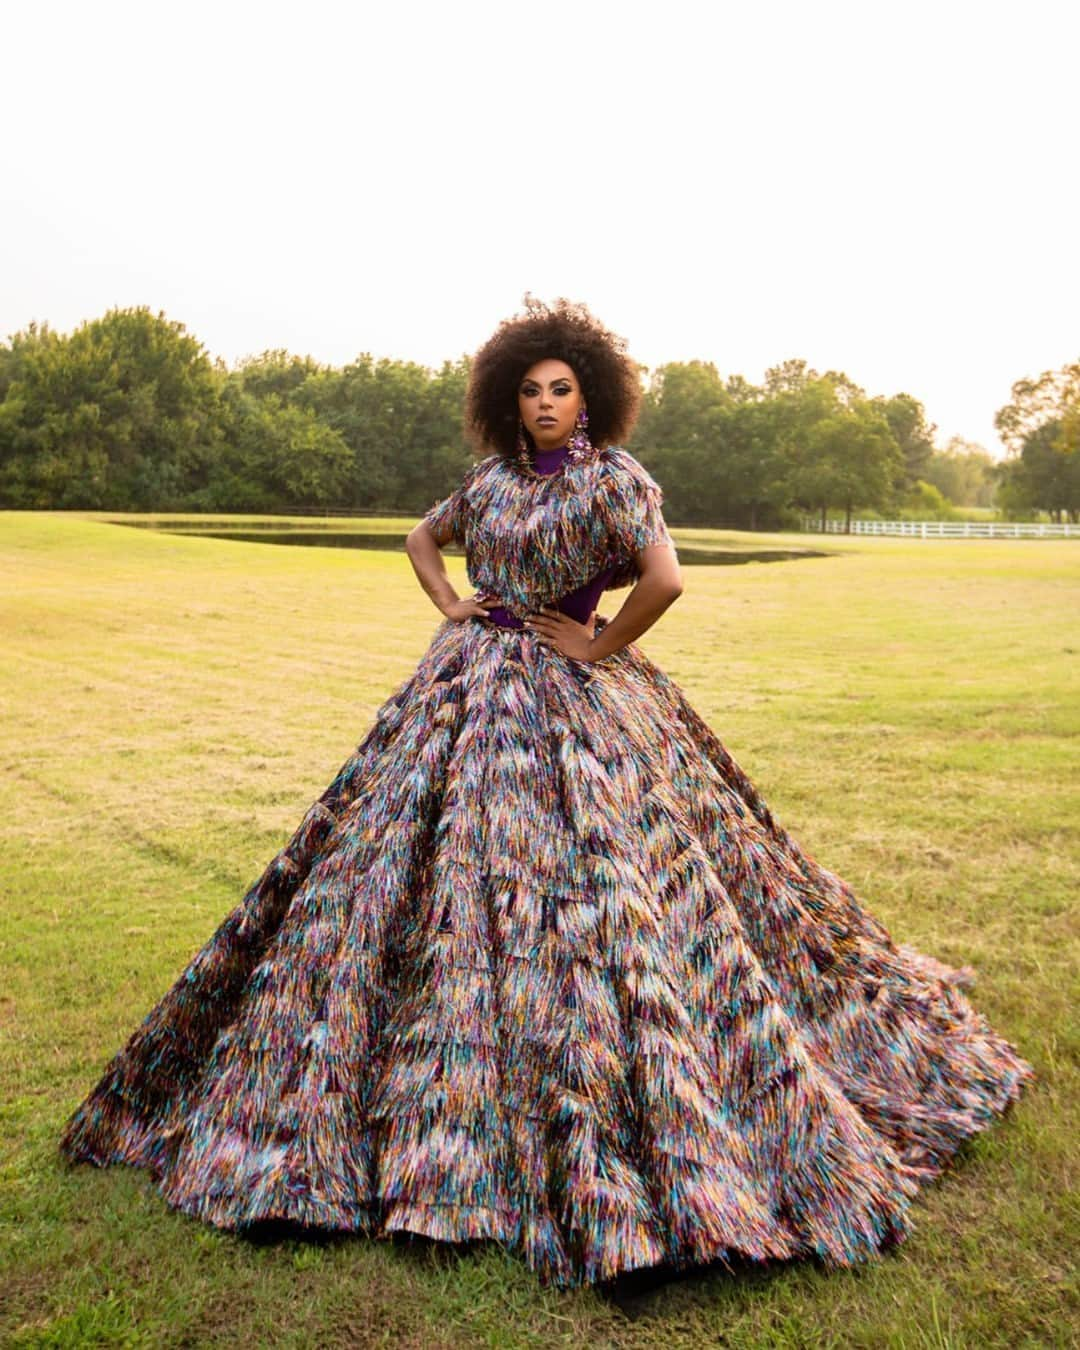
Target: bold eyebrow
559	379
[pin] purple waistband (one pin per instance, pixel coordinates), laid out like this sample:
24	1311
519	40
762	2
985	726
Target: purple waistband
579	604
504	618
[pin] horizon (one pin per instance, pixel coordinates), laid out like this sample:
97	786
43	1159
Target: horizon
740	189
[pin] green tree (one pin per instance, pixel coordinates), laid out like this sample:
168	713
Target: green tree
1052	397
439	451
277	372
111	416
789	377
963	472
679	437
1041	425
274	457
754	461
848	459
906	417
1051	472
376	407
926	502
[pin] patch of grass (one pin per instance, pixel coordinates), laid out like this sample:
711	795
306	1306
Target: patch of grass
171	706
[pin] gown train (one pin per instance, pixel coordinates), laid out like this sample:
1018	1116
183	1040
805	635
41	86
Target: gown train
539	966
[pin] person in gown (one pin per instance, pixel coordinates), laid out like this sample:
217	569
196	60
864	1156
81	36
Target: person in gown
540	966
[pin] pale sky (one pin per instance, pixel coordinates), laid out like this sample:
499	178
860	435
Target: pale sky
889	190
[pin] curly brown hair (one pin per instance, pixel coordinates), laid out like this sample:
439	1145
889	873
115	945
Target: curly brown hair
564	331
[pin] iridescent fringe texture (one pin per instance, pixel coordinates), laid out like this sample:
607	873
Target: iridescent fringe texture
539	966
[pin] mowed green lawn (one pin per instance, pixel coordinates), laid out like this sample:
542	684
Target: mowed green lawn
171	706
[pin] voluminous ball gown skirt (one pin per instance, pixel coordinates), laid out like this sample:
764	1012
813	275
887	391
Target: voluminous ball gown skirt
539	966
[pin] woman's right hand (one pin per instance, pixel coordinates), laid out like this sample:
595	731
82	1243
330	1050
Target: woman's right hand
472	607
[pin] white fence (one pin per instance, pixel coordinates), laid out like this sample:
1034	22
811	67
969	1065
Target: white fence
946	529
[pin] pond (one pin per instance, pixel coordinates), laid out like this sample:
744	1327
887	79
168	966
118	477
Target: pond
285	533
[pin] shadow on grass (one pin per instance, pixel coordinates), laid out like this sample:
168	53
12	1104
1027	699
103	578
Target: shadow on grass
633	1293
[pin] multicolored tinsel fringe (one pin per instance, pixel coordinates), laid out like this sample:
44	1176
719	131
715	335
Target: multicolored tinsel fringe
539	966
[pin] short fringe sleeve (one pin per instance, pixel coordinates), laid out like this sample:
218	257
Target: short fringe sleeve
635	515
452	514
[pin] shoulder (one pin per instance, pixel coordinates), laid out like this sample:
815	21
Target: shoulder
481	467
479	471
621	471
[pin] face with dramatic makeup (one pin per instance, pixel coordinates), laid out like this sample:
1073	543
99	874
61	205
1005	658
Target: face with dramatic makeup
549	398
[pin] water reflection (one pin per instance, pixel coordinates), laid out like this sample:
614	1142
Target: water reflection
395	542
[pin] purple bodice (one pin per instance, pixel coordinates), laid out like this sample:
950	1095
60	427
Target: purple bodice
580	603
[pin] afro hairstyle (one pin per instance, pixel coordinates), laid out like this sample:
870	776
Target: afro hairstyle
564	331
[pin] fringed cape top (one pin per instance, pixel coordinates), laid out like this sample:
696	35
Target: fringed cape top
529	541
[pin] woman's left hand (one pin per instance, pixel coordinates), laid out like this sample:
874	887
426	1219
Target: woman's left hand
556	629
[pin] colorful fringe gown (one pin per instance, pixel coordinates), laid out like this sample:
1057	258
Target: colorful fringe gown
539	966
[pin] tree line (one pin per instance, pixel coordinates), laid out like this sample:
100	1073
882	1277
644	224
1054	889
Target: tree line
1041	428
129	412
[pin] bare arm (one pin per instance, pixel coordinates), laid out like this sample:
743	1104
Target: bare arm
428	563
658	587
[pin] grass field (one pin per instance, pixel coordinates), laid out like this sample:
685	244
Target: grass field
172	705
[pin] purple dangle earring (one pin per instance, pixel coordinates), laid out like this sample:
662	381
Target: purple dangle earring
521	445
579	447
